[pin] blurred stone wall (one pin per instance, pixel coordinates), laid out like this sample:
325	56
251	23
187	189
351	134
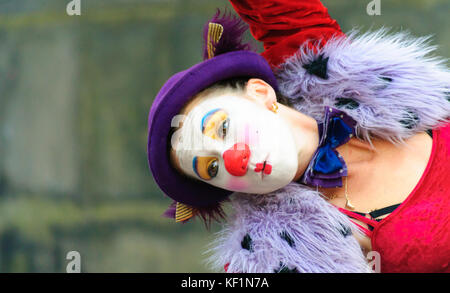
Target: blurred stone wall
74	98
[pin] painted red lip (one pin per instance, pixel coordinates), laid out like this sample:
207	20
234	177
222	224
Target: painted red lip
264	167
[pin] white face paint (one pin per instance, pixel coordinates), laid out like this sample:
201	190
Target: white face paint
236	144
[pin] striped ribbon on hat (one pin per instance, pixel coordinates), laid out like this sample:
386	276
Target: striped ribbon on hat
215	32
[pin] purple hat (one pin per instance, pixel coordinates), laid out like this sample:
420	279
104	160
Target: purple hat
235	60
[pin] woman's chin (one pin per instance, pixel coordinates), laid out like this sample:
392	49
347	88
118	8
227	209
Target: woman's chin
266	185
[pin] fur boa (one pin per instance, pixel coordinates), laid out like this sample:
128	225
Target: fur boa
290	230
395	88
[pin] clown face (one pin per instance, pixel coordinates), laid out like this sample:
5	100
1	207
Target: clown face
233	143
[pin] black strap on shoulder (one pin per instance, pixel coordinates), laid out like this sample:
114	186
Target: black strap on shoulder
387	210
380	212
361	214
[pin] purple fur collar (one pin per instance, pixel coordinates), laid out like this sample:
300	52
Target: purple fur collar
389	84
292	229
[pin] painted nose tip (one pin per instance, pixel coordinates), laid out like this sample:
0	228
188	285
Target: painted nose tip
236	159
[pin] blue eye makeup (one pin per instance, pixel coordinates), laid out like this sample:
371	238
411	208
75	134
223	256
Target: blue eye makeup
205	167
215	123
206	118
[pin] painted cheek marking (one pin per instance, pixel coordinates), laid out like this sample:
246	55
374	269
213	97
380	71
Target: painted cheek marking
247	134
249	137
237	184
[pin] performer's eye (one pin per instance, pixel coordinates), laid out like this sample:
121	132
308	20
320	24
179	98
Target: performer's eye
223	128
206	167
213	168
215	124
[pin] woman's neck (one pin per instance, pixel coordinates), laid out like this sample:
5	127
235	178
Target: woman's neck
304	128
356	153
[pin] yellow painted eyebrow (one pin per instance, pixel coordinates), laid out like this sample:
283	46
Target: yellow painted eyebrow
210	121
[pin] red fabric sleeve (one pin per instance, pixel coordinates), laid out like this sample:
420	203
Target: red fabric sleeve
283	25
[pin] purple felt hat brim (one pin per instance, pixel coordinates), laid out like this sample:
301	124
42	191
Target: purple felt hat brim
175	93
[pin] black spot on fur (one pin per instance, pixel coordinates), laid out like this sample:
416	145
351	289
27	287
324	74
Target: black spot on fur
247	243
386	81
284	269
346	103
318	67
411	119
345	230
448	96
285	236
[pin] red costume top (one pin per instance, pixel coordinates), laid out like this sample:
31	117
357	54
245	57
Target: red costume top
415	237
283	25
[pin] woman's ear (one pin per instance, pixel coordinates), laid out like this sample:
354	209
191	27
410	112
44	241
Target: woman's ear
261	92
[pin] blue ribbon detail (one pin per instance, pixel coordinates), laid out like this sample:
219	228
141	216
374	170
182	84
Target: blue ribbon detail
327	160
327	167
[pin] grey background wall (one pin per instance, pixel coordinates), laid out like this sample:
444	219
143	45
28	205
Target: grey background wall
74	98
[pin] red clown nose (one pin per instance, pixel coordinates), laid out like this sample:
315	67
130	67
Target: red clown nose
236	159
